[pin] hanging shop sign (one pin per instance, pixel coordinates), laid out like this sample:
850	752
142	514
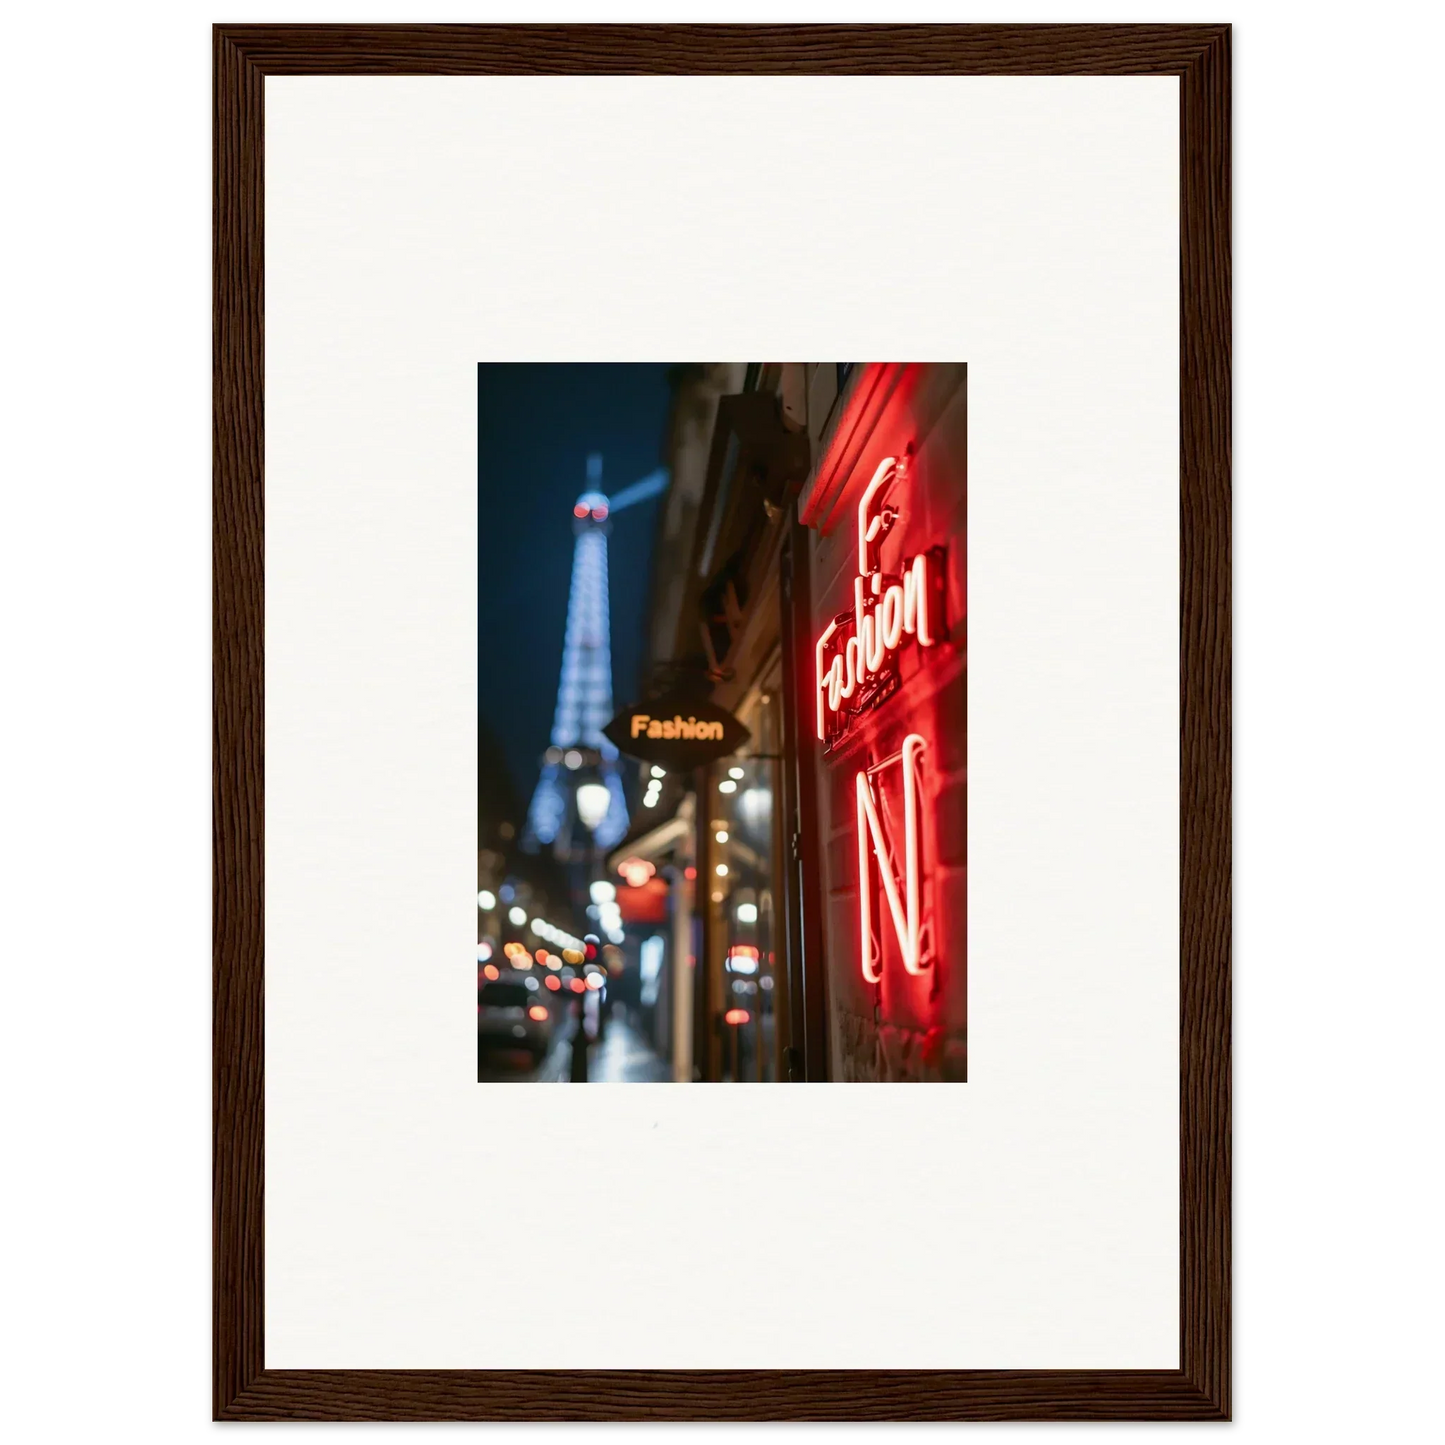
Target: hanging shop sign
859	652
646	903
677	731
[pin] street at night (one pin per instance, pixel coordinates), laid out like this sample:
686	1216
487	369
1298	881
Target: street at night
621	1056
722	724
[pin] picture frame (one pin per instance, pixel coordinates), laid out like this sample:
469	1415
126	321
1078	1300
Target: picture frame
243	1389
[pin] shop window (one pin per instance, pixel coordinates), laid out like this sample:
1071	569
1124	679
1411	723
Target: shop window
749	978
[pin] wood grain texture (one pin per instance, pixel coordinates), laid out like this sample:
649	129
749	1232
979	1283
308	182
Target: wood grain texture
243	1389
722	49
237	762
722	1395
1204	713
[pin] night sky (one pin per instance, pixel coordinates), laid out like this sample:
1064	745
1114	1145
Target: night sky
536	426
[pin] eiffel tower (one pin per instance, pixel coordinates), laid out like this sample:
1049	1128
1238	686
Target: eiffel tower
579	755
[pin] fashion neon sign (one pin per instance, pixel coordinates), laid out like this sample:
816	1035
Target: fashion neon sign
859	651
857	668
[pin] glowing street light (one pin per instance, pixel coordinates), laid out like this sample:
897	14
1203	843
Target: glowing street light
593	801
636	871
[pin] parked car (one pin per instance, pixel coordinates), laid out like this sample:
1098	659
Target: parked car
513	1012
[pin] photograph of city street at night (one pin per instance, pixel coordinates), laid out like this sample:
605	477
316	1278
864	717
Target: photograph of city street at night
722	723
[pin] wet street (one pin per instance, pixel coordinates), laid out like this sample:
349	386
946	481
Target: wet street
621	1056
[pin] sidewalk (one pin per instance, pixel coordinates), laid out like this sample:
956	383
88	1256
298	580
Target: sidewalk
624	1058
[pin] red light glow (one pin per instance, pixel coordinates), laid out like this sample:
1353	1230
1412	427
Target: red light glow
645	905
553	982
537	1013
907	911
577	986
492	971
636	871
736	1016
580	510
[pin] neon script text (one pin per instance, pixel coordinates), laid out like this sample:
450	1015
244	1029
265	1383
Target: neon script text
857	655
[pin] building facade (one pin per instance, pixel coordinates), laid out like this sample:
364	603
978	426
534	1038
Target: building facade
811	577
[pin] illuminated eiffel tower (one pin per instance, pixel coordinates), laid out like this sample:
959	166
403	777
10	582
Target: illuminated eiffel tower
580	758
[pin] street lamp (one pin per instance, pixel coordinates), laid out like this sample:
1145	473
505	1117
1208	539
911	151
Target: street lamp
593	801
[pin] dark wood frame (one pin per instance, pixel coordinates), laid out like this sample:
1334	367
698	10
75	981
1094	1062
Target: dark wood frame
243	1388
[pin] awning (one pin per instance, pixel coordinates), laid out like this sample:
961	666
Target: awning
658	841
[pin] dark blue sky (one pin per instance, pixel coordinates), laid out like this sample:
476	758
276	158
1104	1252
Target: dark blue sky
536	425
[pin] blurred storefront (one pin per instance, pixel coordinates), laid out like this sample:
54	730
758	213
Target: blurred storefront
802	904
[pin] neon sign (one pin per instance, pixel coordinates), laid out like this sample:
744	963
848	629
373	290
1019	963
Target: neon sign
903	894
858	659
858	653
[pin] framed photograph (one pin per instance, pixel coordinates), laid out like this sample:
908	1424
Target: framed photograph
751	868
844	723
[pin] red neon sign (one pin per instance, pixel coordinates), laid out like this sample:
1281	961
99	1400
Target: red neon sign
859	651
903	892
857	668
